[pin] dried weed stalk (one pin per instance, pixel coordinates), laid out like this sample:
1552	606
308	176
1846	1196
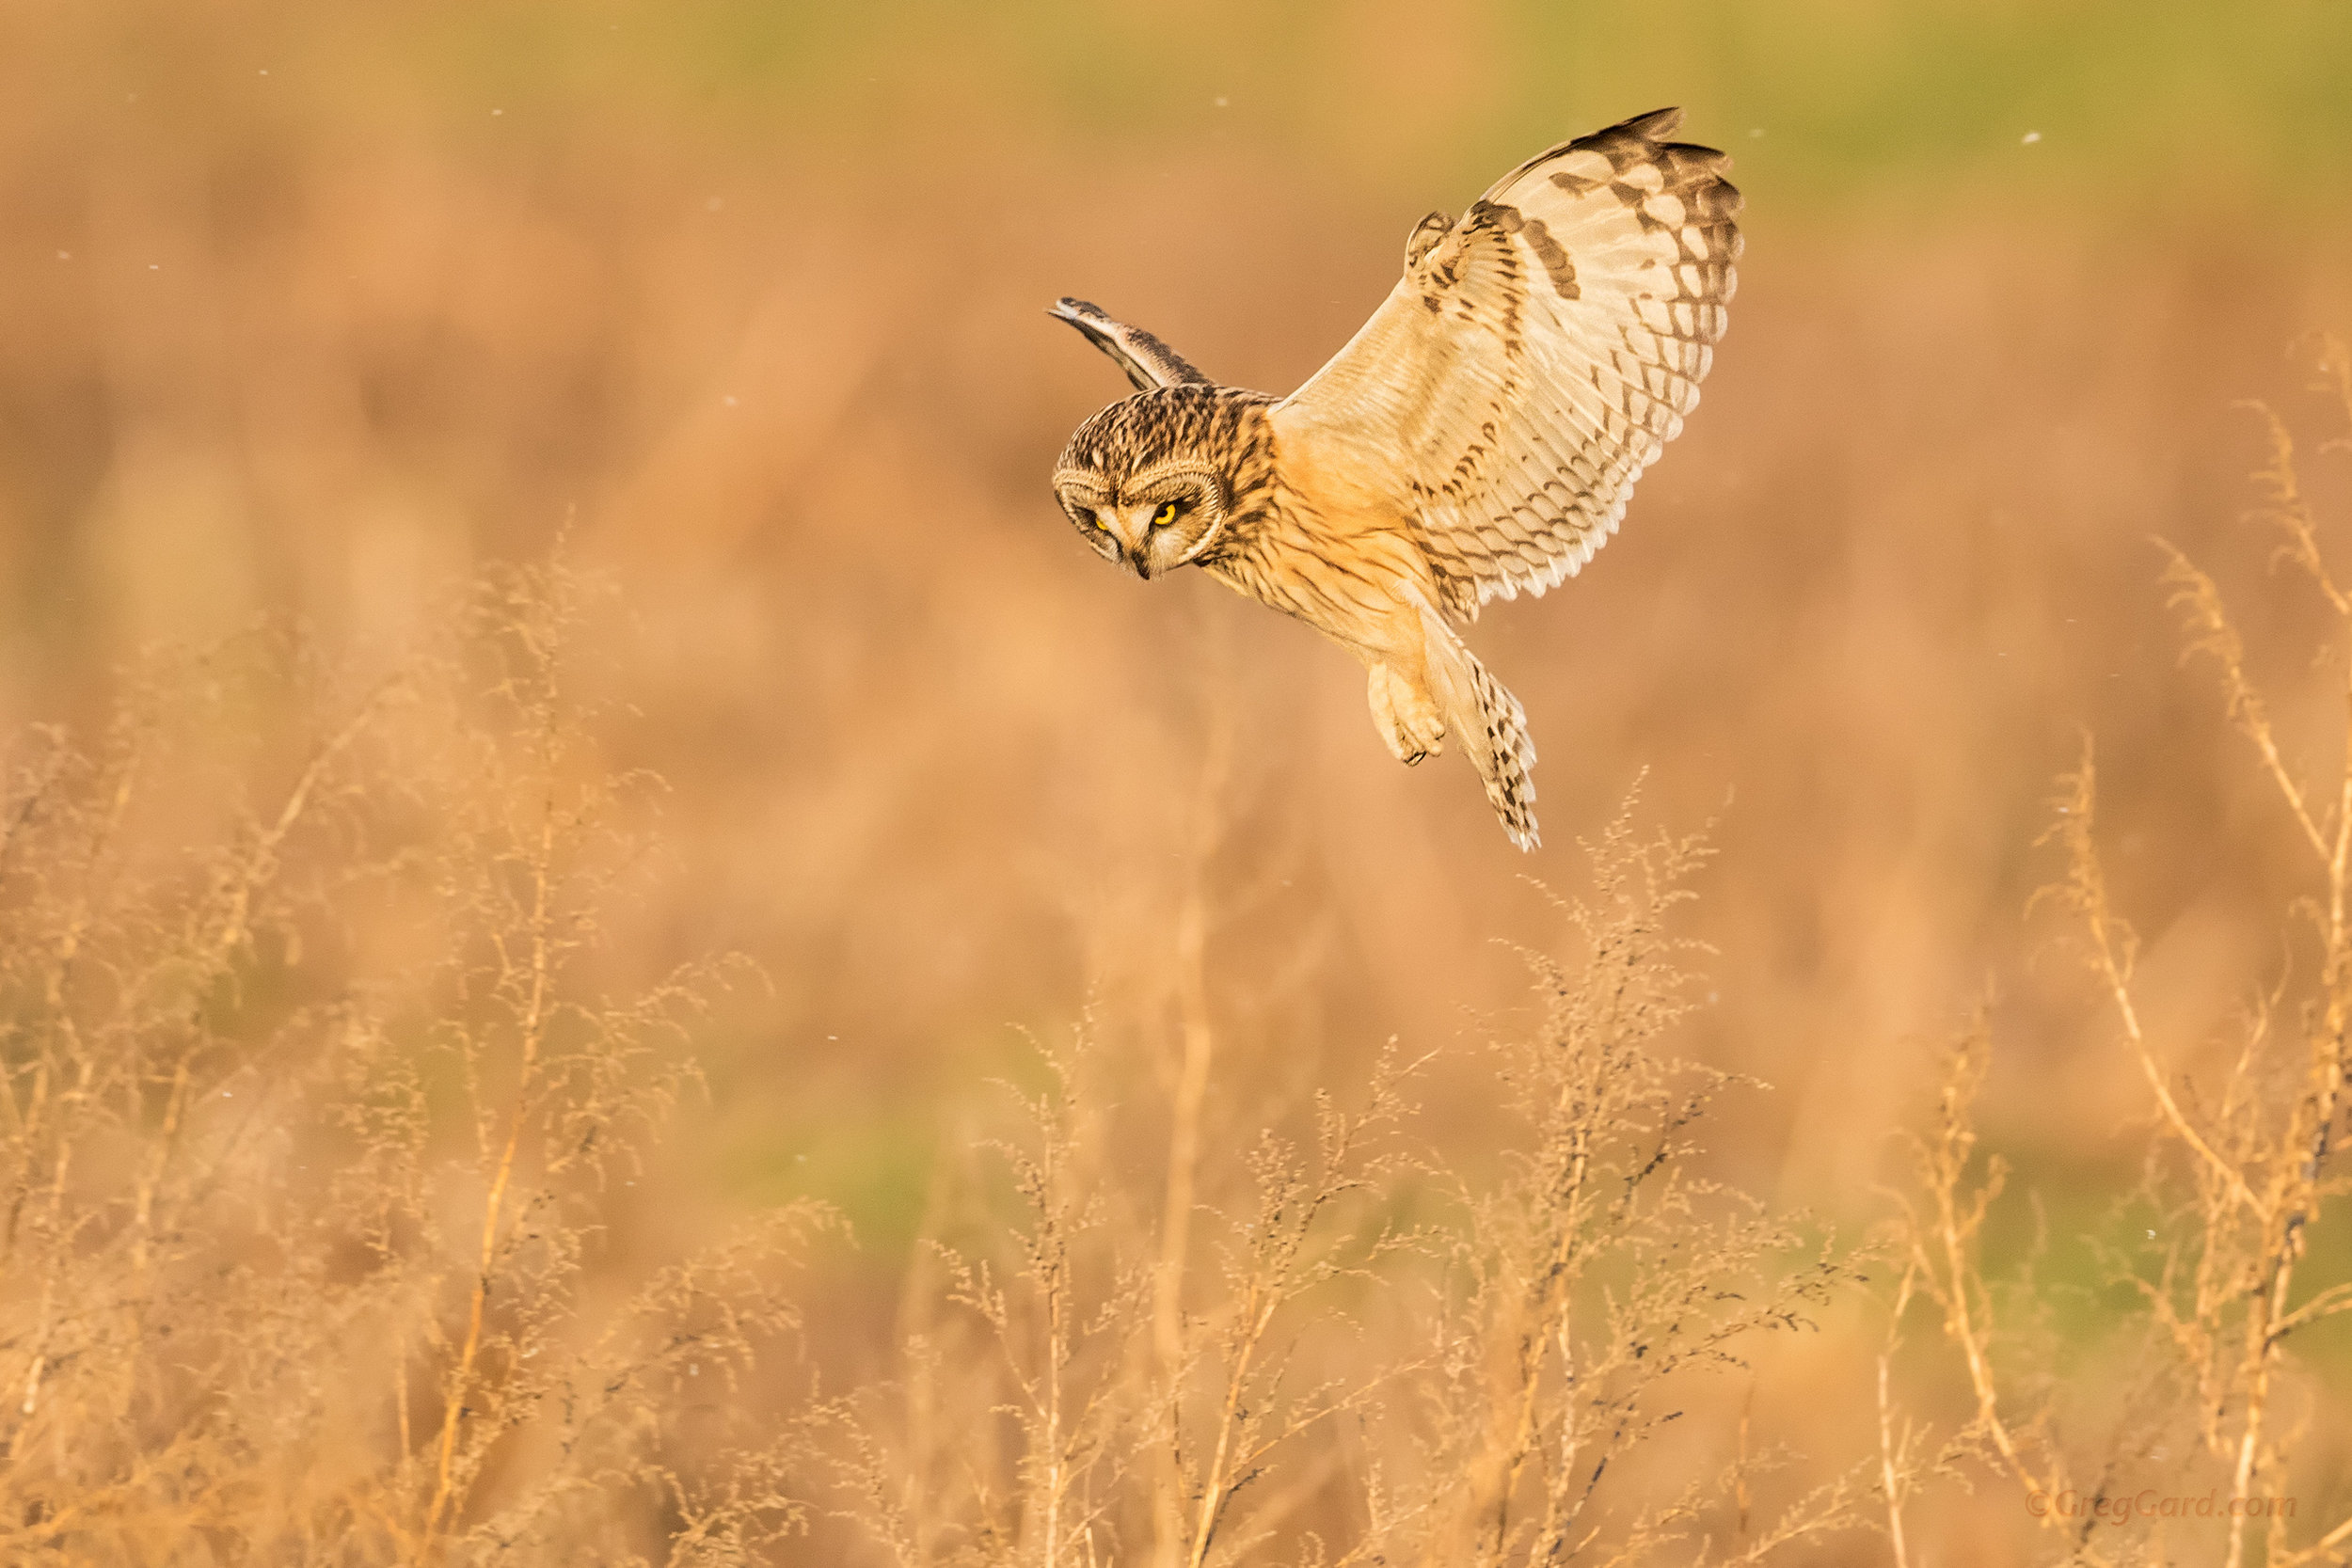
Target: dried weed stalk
2236	1212
1070	1442
307	1117
1335	1385
1601	1269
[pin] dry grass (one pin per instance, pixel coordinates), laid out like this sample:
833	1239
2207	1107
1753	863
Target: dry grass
2240	1183
1351	1353
306	1259
299	1259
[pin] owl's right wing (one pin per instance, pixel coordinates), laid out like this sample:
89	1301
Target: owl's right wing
1536	356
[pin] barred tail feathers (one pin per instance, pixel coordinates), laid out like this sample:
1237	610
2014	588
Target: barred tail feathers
1491	726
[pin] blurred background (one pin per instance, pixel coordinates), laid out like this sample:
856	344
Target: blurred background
308	311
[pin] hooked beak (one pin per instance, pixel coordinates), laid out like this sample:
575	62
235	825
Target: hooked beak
1131	531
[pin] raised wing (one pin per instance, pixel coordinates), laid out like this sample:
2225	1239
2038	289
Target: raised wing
1150	363
1536	356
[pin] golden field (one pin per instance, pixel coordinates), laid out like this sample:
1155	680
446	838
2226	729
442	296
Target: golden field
618	949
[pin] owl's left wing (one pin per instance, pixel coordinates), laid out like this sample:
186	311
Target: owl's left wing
1536	356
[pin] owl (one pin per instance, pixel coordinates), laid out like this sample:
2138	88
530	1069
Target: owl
1478	438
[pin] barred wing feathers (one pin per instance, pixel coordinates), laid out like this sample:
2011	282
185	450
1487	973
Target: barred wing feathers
1537	354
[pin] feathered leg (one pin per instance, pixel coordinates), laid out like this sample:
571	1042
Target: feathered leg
1406	718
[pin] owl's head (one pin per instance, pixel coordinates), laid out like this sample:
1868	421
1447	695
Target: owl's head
1159	480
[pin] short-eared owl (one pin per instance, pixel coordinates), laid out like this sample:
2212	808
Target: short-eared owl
1478	438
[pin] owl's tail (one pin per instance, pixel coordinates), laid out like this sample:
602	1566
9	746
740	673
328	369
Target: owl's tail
1481	714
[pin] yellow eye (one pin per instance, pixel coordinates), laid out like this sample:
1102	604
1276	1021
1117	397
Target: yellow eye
1164	516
